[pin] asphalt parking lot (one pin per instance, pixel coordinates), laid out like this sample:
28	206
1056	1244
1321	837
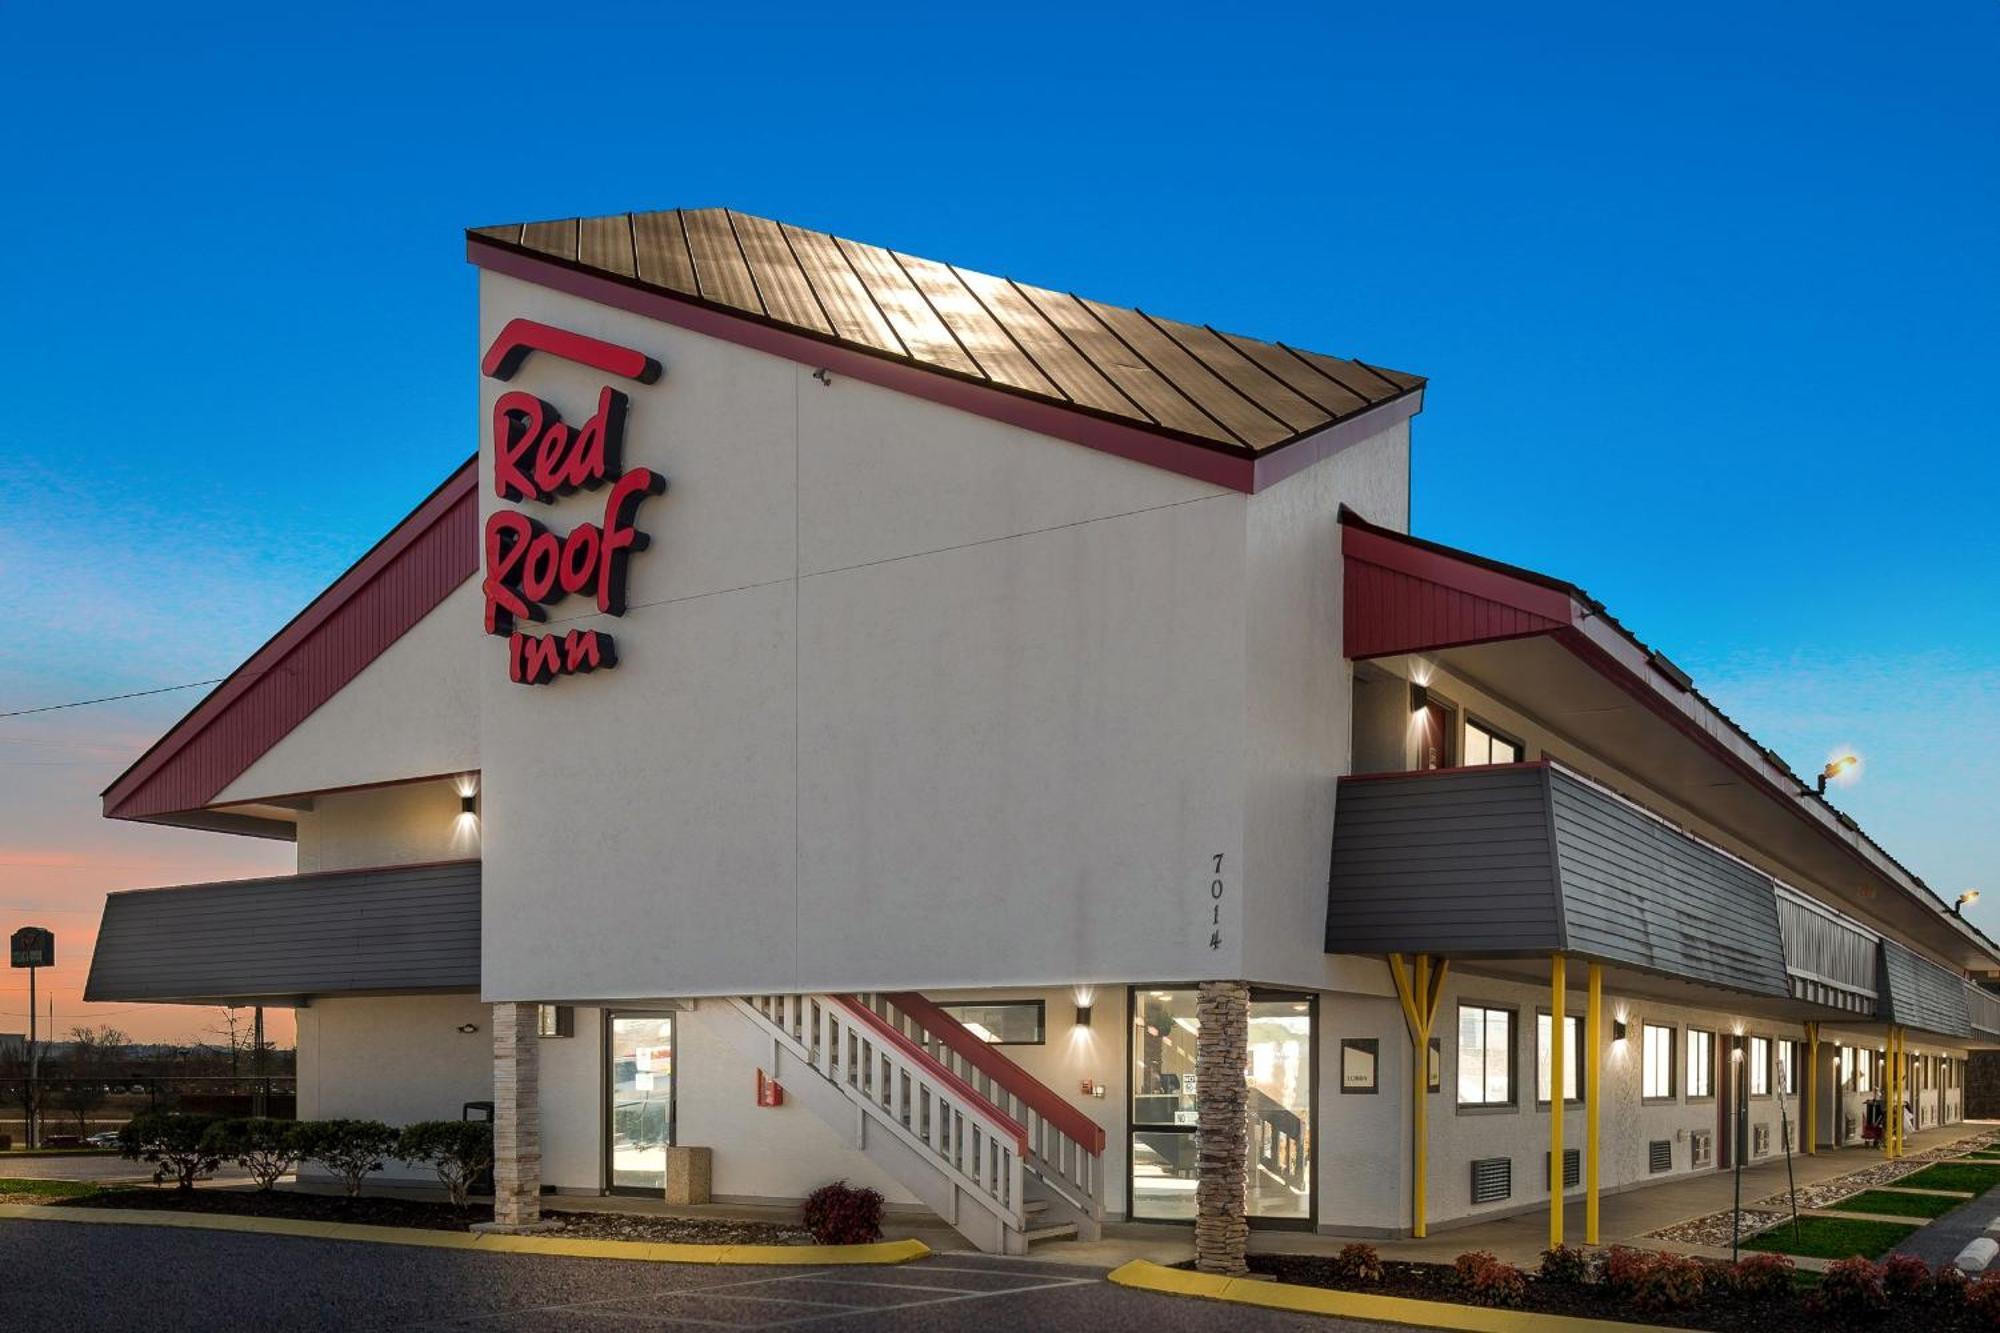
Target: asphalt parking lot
73	1277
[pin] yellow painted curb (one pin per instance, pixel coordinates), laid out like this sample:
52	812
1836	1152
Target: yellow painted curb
1147	1276
637	1251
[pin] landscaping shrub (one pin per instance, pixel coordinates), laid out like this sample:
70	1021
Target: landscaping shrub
1761	1278
1851	1290
460	1151
1487	1281
1566	1266
350	1149
1671	1282
263	1147
1948	1288
1624	1269
174	1143
840	1214
1905	1277
1358	1264
1982	1301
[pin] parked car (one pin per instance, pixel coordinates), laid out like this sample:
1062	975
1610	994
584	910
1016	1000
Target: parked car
107	1139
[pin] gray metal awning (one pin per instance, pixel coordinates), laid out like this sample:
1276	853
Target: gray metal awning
1524	860
1918	993
383	930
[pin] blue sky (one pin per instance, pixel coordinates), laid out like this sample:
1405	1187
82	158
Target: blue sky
1707	296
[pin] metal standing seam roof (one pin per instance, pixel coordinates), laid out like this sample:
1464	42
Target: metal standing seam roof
1188	381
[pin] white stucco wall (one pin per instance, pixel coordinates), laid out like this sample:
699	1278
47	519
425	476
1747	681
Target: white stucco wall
906	697
398	1059
405	824
411	713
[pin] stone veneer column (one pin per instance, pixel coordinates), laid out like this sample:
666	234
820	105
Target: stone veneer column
517	1117
1222	1104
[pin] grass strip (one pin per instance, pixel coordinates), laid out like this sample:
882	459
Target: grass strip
47	1189
1971	1177
1831	1237
1896	1205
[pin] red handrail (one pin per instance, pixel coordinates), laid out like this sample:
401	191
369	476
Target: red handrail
1045	1101
938	1071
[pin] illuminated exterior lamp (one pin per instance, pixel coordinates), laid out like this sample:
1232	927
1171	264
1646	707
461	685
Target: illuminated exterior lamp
1617	1029
1420	697
1833	770
1083	1015
1965	900
468	804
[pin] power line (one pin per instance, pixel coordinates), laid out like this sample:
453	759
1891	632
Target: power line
112	698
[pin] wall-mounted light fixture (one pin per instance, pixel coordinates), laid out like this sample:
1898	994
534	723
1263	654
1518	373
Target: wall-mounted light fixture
1965	900
468	1027
1833	769
1083	1015
1420	697
1085	996
1617	1029
468	804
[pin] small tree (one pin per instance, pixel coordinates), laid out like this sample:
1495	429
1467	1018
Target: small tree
267	1149
93	1056
174	1143
350	1149
458	1150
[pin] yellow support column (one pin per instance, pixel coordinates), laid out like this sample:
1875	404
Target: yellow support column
1811	1116
1902	1086
1593	1036
1556	1068
1888	1077
1420	1007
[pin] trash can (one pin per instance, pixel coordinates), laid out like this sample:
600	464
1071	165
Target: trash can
480	1111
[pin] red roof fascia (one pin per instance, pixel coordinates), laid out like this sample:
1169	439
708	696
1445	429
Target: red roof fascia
341	631
1407	596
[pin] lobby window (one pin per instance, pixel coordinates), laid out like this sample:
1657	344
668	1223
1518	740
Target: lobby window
1701	1063
1485	1056
1864	1071
1847	1066
1760	1066
1003	1022
1656	1061
1788	1068
1572	1057
1484	745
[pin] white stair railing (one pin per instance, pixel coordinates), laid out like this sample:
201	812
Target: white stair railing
1064	1148
907	1092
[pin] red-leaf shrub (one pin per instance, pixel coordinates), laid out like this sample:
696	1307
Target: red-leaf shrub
1948	1287
1358	1264
1851	1290
1761	1278
1624	1269
1565	1266
1905	1277
1487	1281
1671	1282
840	1214
1982	1301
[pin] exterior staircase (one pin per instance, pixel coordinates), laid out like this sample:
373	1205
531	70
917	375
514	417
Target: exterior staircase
995	1153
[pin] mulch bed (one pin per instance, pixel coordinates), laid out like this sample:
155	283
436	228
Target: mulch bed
1438	1282
431	1216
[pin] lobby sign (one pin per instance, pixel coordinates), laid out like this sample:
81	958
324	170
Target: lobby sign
538	457
32	946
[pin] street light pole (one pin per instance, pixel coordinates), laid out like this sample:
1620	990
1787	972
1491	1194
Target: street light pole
34	1105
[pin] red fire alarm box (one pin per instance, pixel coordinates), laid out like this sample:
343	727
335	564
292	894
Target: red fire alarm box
769	1091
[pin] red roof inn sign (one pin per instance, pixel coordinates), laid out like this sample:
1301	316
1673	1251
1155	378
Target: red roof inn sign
537	456
32	946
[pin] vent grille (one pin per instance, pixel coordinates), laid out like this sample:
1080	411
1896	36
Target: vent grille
1701	1145
1760	1140
1492	1179
1660	1155
1572	1168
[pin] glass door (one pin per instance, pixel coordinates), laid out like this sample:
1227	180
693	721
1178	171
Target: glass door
1164	1145
639	1100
